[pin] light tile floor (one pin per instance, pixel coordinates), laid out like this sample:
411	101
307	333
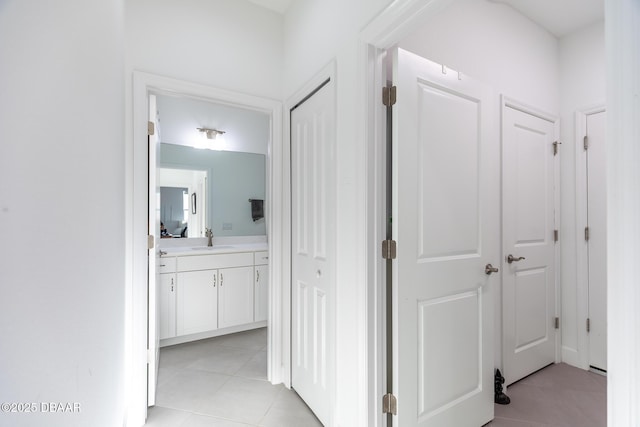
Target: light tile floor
222	382
557	396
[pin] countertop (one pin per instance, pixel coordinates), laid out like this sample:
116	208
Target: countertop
215	249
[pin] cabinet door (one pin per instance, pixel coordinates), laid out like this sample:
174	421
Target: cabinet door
235	296
261	294
167	306
197	301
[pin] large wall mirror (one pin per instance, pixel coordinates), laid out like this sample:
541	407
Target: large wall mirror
212	168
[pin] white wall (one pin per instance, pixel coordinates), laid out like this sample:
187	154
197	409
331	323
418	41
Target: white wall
178	119
500	47
227	44
497	45
61	210
582	85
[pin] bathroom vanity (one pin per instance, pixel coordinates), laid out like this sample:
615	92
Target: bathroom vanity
211	291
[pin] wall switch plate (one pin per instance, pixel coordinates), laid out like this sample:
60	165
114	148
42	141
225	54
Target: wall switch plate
227	226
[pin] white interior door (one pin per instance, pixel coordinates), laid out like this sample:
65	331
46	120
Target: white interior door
529	292
313	251
153	334
597	242
446	224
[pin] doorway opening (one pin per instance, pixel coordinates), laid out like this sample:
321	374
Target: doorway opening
234	240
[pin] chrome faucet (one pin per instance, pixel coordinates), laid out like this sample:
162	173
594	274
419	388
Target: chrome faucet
209	235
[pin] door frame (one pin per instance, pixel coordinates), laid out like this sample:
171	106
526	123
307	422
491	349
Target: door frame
508	102
384	31
136	251
580	355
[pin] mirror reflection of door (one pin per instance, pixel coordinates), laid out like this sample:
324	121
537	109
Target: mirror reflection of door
174	212
183	201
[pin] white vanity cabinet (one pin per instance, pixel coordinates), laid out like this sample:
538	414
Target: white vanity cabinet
261	286
235	296
205	295
167	294
168	287
197	302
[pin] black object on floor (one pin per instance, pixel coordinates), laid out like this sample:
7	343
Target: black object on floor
499	397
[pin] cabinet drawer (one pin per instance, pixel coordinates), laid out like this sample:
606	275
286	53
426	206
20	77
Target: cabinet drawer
207	262
261	258
167	265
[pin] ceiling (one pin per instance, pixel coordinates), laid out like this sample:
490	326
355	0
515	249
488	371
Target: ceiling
559	17
280	6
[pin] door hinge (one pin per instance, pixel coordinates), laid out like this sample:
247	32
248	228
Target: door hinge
556	322
151	128
389	404
389	249
149	356
150	241
587	234
585	142
588	325
555	147
556	236
389	96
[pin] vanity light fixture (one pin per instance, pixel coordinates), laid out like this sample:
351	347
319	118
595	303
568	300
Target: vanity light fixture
211	133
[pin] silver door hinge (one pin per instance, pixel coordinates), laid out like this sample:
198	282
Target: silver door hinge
585	142
389	249
150	241
389	404
151	128
588	325
389	96
556	236
556	323
555	147
587	234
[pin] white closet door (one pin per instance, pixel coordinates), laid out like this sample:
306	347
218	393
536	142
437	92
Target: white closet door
313	251
529	303
446	224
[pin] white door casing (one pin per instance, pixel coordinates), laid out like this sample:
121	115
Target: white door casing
446	223
313	251
137	225
153	333
597	242
528	218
